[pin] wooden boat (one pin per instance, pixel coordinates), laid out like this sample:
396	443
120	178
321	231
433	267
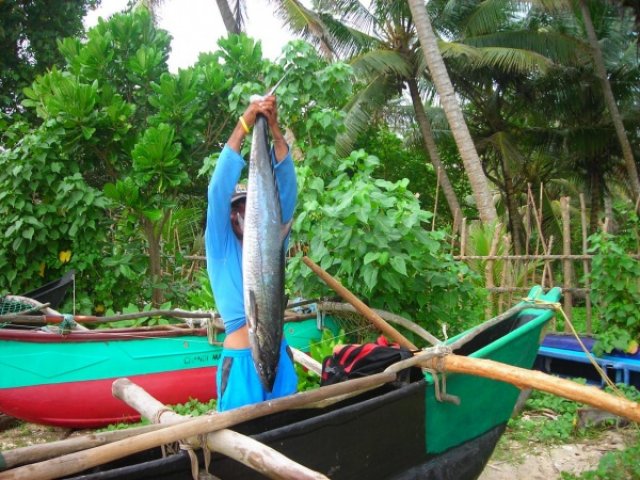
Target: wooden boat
52	293
64	379
396	431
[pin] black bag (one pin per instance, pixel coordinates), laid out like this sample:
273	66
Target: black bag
355	361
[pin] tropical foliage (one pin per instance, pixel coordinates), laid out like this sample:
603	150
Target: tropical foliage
29	31
139	143
110	177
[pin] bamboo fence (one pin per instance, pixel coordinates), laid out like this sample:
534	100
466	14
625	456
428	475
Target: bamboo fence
541	267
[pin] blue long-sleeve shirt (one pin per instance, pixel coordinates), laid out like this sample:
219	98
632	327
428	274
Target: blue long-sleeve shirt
224	250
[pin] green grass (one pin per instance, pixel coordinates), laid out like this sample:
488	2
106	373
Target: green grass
548	420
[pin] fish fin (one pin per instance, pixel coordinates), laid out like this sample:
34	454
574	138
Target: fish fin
286	228
252	319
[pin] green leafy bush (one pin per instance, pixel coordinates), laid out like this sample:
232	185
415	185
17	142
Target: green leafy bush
373	236
615	292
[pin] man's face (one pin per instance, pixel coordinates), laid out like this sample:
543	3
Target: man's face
237	218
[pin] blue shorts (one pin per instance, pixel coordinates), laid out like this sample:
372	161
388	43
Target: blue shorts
239	384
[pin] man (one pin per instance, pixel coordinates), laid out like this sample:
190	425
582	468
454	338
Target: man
237	381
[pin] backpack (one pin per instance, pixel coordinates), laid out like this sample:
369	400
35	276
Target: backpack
355	361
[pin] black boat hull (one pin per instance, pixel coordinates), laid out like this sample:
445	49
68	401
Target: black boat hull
380	437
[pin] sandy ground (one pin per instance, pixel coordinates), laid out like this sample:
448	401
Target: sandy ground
525	462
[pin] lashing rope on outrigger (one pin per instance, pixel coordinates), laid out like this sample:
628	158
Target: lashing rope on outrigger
605	378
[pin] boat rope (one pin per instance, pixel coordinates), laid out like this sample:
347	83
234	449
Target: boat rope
67	324
73	291
592	359
439	374
206	452
195	465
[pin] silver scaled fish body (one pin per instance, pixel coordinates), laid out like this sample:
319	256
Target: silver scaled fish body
263	259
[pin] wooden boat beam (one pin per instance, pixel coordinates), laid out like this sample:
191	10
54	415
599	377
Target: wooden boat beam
44	451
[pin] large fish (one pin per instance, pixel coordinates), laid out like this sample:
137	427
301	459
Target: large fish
263	259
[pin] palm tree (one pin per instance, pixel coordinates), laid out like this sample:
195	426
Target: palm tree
511	138
381	45
607	92
491	86
233	14
457	123
610	101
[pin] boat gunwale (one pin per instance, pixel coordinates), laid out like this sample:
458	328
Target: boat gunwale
99	335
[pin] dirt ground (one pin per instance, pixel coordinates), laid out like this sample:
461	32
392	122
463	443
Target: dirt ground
516	461
511	461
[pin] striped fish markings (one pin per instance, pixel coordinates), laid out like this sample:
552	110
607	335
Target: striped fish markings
263	259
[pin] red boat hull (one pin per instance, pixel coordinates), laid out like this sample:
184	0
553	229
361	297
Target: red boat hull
90	404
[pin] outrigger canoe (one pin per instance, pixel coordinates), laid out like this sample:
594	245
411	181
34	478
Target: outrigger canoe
396	431
64	378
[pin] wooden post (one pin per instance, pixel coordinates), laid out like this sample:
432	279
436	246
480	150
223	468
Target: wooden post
435	201
505	274
454	230
463	237
306	361
567	270
36	453
488	269
547	271
585	265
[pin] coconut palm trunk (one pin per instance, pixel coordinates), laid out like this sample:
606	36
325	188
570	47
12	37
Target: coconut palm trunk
610	101
439	75
430	144
231	23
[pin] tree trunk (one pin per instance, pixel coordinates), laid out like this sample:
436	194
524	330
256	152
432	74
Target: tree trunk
227	17
432	149
155	267
610	101
597	196
515	220
439	75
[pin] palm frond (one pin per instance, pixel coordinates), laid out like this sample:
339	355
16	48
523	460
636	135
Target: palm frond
456	50
352	12
504	145
306	23
361	109
511	60
489	16
556	46
376	62
240	14
348	41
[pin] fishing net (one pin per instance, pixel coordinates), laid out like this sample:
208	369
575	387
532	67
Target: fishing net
356	328
12	305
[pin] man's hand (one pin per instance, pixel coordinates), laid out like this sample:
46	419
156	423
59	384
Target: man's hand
268	107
